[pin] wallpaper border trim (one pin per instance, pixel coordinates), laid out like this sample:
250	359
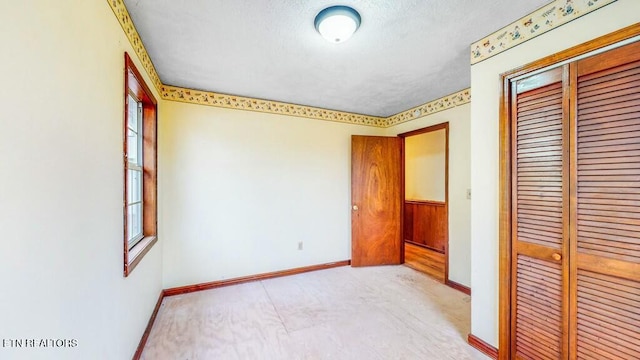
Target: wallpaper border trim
191	96
546	18
446	102
121	13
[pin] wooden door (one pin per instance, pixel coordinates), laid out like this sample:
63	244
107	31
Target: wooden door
574	224
376	200
539	217
606	205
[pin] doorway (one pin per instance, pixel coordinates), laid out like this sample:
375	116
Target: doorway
425	165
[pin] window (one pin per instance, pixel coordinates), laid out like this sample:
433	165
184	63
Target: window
140	168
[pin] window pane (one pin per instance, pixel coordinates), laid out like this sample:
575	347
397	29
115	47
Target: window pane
140	134
134	221
132	113
134	186
132	147
140	111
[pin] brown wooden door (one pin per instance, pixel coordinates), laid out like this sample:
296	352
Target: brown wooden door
606	205
376	200
540	204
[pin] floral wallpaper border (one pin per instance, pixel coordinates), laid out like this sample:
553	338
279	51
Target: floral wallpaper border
173	93
244	103
548	17
121	13
447	102
542	20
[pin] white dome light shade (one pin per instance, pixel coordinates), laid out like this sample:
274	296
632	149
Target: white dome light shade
337	23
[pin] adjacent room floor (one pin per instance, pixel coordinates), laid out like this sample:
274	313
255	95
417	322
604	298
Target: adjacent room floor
388	312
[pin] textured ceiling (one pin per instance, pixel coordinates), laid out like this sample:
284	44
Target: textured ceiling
406	52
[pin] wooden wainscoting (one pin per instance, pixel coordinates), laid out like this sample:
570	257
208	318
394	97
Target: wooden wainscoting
425	224
426	237
430	262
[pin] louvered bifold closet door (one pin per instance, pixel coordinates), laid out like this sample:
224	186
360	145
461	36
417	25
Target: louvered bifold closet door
606	206
540	200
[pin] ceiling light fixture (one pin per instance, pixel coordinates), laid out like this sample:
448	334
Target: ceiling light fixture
337	23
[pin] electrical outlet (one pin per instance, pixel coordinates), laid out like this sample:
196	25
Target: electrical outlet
300	245
469	194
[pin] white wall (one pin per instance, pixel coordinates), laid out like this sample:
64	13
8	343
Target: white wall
61	185
459	182
240	189
485	90
425	166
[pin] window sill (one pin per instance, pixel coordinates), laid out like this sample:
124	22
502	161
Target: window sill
138	252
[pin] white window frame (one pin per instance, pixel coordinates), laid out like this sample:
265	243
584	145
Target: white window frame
136	166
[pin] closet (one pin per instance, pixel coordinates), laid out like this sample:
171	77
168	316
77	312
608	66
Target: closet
571	215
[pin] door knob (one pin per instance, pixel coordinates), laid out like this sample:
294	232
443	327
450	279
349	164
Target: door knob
556	256
355	207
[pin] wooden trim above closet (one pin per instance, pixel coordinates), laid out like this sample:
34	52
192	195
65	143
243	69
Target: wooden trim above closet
578	50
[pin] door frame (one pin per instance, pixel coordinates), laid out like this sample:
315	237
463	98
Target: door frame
428	129
505	282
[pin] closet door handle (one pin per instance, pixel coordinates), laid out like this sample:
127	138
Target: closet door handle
556	257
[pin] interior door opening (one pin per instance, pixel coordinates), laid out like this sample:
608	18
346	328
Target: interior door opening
425	200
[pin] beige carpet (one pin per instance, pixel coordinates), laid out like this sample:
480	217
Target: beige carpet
388	312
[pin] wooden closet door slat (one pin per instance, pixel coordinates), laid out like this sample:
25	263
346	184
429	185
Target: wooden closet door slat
539	207
538	309
606	210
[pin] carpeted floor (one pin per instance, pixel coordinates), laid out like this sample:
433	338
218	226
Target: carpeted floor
387	312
